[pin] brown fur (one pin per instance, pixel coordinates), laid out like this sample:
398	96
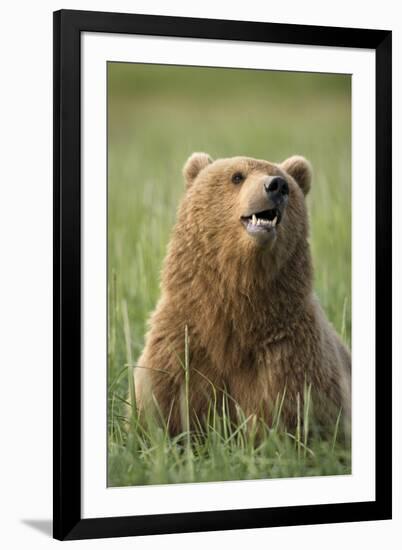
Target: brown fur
255	327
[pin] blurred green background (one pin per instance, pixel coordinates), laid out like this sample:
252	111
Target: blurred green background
157	116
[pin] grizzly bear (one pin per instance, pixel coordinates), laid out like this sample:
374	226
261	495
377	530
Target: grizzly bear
237	315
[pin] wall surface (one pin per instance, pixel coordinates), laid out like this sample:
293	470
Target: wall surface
26	270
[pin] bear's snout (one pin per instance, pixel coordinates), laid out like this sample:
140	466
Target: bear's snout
277	190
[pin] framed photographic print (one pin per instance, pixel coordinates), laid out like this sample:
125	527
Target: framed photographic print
222	274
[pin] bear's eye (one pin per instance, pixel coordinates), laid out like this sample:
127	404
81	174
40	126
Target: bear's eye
237	177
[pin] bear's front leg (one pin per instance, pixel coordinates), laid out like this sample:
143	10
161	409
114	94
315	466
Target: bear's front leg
175	387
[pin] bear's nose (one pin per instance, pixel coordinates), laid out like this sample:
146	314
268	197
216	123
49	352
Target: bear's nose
277	189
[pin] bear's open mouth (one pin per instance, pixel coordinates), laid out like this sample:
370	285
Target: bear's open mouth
265	220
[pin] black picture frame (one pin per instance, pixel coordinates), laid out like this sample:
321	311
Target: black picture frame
68	26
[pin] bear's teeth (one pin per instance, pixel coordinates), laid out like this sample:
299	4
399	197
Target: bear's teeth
274	220
254	219
258	221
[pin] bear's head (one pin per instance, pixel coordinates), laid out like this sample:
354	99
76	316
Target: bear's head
244	204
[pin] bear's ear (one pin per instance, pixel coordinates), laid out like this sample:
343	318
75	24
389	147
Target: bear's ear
194	165
300	170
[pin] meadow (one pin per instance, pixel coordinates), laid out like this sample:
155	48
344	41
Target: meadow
157	116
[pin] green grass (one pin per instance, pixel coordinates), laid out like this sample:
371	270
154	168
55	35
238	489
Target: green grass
157	116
